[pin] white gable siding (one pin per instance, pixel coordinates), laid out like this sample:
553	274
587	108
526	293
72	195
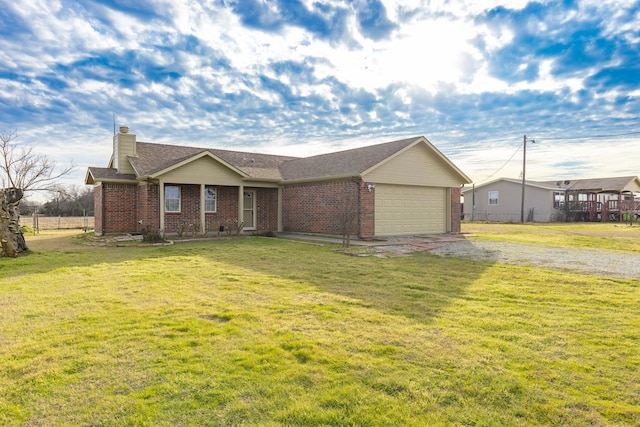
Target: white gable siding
204	170
416	166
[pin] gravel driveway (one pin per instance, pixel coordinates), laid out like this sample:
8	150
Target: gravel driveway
601	262
584	260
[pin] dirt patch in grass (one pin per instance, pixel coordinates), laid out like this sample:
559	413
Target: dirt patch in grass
56	240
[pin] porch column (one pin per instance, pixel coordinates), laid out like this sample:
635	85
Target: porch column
162	207
203	227
240	204
279	209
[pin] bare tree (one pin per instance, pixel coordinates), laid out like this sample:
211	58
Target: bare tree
21	167
21	170
69	200
347	213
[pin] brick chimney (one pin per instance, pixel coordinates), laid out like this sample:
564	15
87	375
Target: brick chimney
124	144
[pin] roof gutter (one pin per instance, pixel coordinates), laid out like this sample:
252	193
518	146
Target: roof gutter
320	179
118	181
90	179
269	180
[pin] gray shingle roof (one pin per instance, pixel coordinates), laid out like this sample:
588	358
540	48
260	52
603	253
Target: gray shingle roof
613	184
342	163
109	174
153	158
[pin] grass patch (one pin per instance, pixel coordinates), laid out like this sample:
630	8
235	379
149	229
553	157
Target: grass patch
613	236
261	331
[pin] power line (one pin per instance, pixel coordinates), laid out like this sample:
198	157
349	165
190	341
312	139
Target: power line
612	135
505	164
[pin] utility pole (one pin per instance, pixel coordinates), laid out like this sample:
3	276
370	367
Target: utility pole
524	167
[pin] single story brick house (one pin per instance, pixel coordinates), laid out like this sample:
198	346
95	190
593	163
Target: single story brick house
402	187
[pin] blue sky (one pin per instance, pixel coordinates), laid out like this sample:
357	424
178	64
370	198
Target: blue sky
303	77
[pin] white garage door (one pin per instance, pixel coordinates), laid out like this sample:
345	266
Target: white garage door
404	209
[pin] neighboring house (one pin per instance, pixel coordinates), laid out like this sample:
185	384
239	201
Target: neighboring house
601	199
398	188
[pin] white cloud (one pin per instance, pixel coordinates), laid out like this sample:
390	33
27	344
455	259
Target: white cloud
548	159
439	54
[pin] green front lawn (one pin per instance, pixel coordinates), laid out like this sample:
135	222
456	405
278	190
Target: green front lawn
613	236
262	331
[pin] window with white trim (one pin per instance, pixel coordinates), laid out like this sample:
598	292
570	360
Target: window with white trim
493	197
210	199
558	200
171	198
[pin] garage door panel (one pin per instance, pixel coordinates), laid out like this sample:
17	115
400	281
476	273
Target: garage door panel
410	210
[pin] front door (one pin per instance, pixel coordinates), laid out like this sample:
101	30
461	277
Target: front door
249	212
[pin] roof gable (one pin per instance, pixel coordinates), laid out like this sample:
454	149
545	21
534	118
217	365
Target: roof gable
418	163
155	160
358	161
194	159
202	169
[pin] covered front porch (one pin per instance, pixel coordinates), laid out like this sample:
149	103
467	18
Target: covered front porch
209	208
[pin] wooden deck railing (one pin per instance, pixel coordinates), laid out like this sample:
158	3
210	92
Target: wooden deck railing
611	210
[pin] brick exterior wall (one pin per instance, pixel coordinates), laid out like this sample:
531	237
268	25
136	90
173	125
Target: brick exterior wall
456	210
320	207
226	209
98	206
189	216
121	208
118	208
267	209
148	207
325	207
